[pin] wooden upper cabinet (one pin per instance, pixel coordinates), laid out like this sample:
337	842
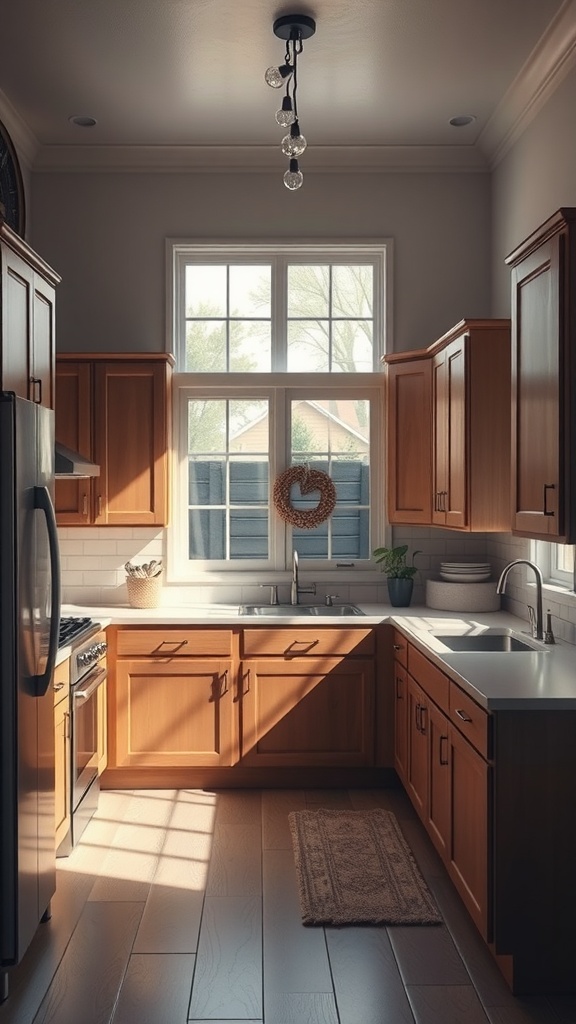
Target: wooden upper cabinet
543	381
116	412
450	404
27	305
409	441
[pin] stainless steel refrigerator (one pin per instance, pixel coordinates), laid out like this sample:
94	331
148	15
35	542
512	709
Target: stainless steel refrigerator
29	620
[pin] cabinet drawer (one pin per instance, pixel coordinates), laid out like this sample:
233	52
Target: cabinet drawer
400	647
61	681
302	641
470	719
430	678
172	642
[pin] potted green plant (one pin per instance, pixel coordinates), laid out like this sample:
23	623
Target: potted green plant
400	572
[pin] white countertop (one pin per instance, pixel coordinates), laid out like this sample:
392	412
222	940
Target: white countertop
527	680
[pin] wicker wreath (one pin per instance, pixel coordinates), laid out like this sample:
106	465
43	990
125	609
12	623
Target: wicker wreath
308	480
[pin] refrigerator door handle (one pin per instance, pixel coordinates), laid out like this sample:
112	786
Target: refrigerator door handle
43	501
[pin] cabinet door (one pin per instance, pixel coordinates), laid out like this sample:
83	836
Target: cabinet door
43	343
449	397
536	475
172	713
409	461
468	854
62	769
73	498
401	720
417	768
307	712
17	285
130	443
438	821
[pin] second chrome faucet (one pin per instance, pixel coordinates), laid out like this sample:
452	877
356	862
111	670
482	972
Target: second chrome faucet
536	620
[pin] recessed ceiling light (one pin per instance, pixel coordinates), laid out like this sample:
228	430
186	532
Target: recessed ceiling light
83	121
461	120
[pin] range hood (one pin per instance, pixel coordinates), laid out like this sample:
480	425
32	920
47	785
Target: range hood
71	464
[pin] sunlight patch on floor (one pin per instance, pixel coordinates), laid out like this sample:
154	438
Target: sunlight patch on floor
154	836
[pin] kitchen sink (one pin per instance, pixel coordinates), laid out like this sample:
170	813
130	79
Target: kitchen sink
301	610
492	641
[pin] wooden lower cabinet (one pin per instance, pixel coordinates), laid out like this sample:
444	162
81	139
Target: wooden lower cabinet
447	780
401	721
468	836
307	711
173	712
439	820
417	736
280	698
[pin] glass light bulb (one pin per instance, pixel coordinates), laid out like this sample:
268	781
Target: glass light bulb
293	145
285	117
293	179
275	77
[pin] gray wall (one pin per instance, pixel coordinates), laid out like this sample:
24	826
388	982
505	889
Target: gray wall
105	234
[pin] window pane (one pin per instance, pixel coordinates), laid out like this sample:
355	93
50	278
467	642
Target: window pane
205	346
250	346
352	291
352	346
228	474
205	290
308	346
206	425
308	291
250	291
333	436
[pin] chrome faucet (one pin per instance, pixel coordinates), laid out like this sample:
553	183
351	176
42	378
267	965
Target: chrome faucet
295	588
536	623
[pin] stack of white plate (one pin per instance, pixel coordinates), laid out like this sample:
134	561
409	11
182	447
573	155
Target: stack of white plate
465	572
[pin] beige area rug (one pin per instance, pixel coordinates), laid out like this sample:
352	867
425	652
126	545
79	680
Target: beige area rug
355	867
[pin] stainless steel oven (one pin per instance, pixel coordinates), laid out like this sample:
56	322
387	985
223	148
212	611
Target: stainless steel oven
88	673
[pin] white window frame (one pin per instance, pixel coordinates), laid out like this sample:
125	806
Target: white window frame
281	388
180	252
544	554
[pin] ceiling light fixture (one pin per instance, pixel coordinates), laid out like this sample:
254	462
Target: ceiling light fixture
294	28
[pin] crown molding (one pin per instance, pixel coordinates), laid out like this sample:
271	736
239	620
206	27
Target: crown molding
223	159
547	66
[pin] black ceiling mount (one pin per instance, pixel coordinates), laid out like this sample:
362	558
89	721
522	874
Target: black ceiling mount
294	26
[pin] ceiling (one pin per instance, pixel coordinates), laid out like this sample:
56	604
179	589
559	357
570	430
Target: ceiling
181	81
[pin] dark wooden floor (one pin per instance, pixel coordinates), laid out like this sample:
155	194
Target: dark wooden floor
182	905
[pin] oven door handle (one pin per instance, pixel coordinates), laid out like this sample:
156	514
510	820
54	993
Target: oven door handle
93	681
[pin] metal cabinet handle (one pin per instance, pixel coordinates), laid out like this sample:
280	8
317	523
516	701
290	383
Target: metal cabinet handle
99	504
443	760
423	713
398	647
398	685
67	733
84	504
548	487
59	686
37	384
462	714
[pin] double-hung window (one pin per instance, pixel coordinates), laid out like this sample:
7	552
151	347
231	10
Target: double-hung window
277	352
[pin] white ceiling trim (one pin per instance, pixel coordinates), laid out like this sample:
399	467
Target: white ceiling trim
214	159
545	69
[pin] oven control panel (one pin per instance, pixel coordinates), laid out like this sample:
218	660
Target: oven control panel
92	652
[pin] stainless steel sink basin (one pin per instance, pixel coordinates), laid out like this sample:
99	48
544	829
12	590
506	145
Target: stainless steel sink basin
485	643
302	610
491	640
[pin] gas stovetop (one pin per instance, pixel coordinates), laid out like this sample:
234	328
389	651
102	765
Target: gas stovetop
73	628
